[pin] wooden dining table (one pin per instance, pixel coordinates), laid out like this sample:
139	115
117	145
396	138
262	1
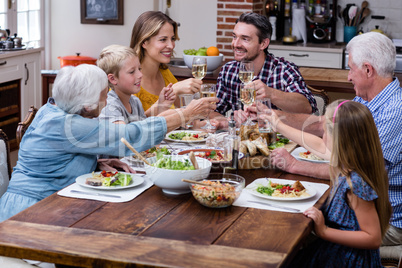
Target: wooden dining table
157	230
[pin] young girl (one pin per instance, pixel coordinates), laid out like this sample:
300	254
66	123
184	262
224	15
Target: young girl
351	226
122	67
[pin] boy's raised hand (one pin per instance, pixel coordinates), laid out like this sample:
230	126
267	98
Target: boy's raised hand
166	98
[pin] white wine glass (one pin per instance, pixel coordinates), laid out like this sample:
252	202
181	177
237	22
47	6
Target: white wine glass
199	69
208	90
247	97
246	71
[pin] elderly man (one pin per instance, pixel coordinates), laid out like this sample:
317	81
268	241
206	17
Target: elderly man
275	78
372	59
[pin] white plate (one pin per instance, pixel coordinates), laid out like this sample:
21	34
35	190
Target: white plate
296	154
187	131
252	189
135	181
204	149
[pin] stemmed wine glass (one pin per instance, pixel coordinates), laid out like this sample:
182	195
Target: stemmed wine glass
246	71
208	90
247	97
199	69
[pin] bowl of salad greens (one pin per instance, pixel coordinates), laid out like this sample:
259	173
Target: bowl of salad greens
167	172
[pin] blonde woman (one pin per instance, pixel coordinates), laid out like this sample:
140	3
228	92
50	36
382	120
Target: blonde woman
351	226
153	39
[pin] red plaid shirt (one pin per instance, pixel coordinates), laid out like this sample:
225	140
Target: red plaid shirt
276	73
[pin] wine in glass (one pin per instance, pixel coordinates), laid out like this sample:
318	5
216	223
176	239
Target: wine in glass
246	71
247	97
208	90
199	69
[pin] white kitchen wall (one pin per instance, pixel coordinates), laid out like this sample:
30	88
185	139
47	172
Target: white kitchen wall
391	9
68	36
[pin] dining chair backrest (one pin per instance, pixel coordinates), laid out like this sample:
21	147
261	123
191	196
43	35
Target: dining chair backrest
322	99
5	166
23	126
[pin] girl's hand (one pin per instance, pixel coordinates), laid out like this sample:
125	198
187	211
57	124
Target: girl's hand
318	218
188	86
240	116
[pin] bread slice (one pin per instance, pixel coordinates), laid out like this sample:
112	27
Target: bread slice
243	147
262	146
252	149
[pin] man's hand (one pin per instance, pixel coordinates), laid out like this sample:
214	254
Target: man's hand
282	159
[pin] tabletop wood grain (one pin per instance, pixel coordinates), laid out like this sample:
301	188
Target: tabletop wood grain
149	229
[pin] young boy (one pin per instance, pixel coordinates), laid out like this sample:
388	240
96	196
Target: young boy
122	66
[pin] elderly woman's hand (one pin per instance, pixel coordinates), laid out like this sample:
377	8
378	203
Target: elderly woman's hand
200	108
188	86
114	165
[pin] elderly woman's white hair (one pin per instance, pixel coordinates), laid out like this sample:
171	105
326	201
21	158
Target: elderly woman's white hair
376	49
76	88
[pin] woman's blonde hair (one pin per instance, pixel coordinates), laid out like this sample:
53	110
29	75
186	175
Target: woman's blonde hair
357	148
148	25
111	59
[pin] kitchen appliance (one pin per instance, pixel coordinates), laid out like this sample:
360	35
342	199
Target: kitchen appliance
321	26
76	60
320	18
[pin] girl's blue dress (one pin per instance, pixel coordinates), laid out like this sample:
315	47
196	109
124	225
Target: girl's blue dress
339	215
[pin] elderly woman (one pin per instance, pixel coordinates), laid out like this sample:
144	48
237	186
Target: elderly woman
65	137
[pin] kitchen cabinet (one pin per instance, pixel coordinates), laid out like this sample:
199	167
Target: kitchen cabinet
20	87
310	55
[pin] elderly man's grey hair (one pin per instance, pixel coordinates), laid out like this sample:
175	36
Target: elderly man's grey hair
76	88
376	49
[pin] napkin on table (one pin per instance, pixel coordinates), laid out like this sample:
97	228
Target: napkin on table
126	194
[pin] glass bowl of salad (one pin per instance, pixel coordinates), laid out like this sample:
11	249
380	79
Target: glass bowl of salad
220	189
167	172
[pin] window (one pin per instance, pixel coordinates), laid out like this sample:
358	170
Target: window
22	17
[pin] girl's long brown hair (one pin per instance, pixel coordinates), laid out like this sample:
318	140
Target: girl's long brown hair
357	147
148	25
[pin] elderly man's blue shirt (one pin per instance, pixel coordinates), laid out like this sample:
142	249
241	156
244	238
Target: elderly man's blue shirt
386	109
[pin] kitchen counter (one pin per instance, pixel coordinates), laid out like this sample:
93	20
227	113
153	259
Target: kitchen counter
21	52
310	47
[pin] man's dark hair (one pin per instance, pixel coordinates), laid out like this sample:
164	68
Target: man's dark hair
262	24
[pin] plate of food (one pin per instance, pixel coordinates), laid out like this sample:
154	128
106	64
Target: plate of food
213	154
281	190
301	153
106	180
186	136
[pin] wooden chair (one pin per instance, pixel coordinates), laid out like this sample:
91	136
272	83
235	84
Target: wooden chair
321	98
23	126
5	166
394	263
